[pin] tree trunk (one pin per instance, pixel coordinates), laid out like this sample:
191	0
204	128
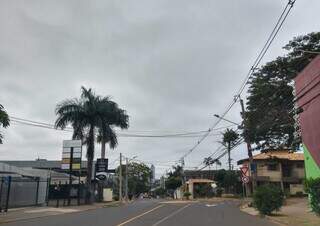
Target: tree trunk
229	155
103	148
90	156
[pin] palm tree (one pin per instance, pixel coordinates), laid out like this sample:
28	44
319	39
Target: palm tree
86	115
230	139
4	120
114	116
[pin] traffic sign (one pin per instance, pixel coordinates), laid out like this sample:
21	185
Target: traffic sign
245	174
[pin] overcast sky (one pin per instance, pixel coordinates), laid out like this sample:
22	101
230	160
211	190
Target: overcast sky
170	64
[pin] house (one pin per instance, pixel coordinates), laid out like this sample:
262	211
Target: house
282	168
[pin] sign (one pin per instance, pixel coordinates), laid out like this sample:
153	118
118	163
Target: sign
71	154
245	174
101	169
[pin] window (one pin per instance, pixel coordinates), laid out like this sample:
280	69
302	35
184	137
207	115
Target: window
300	165
273	167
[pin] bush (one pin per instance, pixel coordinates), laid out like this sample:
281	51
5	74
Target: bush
268	198
187	195
313	189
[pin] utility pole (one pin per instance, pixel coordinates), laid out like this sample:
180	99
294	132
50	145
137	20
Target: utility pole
126	191
246	139
120	179
229	155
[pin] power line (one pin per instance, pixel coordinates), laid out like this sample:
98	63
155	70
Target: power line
262	53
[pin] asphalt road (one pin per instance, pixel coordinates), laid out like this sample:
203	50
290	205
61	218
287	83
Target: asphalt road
153	213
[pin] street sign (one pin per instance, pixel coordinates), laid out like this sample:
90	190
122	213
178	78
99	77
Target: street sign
245	174
71	154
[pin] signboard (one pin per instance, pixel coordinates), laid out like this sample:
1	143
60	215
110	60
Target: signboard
245	174
101	169
71	155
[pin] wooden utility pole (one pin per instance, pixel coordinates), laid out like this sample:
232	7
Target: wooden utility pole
120	179
247	140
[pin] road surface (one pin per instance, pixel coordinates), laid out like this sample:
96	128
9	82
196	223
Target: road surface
153	213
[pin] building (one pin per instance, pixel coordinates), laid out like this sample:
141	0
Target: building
282	168
307	89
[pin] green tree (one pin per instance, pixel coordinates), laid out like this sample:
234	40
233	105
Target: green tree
138	178
4	120
174	178
269	115
86	114
268	198
114	116
230	140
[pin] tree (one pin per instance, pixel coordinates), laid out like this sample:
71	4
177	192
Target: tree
174	179
230	140
269	115
116	117
86	114
4	120
268	198
138	178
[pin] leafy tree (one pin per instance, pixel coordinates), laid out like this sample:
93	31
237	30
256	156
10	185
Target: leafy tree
174	179
313	189
268	198
87	114
230	140
138	178
269	116
228	180
4	120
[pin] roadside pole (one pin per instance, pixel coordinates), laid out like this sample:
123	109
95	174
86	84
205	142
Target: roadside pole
126	191
70	176
120	179
246	139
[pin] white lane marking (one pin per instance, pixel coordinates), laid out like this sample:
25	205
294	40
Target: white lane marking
212	205
140	215
171	215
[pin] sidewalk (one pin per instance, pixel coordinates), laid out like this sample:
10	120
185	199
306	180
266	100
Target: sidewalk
38	212
295	213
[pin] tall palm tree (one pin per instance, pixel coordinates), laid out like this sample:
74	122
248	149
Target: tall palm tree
86	115
4	120
114	116
230	139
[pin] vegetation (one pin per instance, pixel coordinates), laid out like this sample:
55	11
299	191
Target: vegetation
228	181
138	178
313	189
268	198
174	179
4	120
87	114
161	192
230	140
187	195
269	116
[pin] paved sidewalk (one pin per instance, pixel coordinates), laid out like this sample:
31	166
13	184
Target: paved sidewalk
38	212
294	213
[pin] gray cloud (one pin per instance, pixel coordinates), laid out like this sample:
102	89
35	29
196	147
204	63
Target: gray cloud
171	64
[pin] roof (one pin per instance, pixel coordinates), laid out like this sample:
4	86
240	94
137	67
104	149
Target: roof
280	155
39	163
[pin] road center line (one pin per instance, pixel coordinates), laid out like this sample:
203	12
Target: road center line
140	215
171	215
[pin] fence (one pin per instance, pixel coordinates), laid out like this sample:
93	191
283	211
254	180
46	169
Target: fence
21	191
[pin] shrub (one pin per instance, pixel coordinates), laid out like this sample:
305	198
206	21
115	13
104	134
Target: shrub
187	195
268	198
313	189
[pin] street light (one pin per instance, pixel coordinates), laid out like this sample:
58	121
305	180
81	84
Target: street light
227	120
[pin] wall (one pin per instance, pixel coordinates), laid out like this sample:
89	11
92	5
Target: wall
307	89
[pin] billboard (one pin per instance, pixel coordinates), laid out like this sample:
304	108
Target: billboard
71	155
